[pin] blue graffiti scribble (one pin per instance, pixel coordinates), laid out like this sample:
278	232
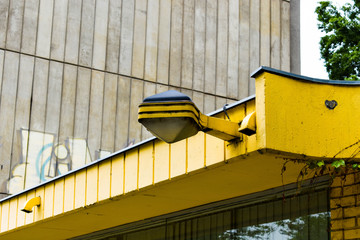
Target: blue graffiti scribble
42	175
40	169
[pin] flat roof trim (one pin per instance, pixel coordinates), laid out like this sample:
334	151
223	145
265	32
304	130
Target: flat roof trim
263	69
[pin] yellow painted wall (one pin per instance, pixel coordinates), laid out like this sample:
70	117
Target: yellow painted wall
292	117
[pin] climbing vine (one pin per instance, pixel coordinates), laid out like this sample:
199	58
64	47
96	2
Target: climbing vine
333	167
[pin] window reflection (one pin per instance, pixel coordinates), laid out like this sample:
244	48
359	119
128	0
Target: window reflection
314	225
299	217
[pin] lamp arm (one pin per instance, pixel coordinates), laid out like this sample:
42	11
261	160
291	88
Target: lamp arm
220	128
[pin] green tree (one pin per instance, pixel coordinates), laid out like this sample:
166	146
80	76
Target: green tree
340	47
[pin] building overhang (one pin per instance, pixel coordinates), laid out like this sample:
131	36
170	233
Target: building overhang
297	118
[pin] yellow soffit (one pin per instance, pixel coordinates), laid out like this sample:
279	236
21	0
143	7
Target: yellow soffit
294	120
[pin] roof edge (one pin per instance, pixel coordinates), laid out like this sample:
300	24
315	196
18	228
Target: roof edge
263	69
121	151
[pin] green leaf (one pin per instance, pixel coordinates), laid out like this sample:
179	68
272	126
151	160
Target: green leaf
340	47
338	163
320	163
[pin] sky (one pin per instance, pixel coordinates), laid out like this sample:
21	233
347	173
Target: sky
311	64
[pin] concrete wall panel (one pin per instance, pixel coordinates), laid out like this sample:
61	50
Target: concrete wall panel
7	111
152	34
164	42
43	43
126	39
16	13
113	36
72	73
87	33
176	42
109	114
59	30
199	45
210	46
73	31
29	31
4	14
100	34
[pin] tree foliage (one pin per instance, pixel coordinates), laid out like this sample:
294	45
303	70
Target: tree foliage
314	226
340	47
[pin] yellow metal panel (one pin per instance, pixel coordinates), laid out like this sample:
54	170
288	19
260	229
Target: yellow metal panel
59	196
236	147
0	216
214	150
40	210
224	129
20	214
104	180
248	124
260	111
146	165
29	217
5	215
306	125
161	164
236	114
131	170
178	158
13	213
250	141
47	202
117	175
80	188
196	154
92	184
69	194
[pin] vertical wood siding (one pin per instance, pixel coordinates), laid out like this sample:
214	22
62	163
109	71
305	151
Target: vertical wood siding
77	70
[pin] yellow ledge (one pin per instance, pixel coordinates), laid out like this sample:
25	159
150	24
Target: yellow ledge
154	178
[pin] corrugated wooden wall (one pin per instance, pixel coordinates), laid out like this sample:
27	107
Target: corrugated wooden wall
77	69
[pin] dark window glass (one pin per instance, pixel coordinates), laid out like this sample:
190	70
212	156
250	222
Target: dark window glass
299	217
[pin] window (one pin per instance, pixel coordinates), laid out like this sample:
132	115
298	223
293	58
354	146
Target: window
280	215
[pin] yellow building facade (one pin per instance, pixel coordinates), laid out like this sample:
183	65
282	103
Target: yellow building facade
204	187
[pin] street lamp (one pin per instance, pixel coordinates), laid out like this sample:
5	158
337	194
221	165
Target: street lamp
172	116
